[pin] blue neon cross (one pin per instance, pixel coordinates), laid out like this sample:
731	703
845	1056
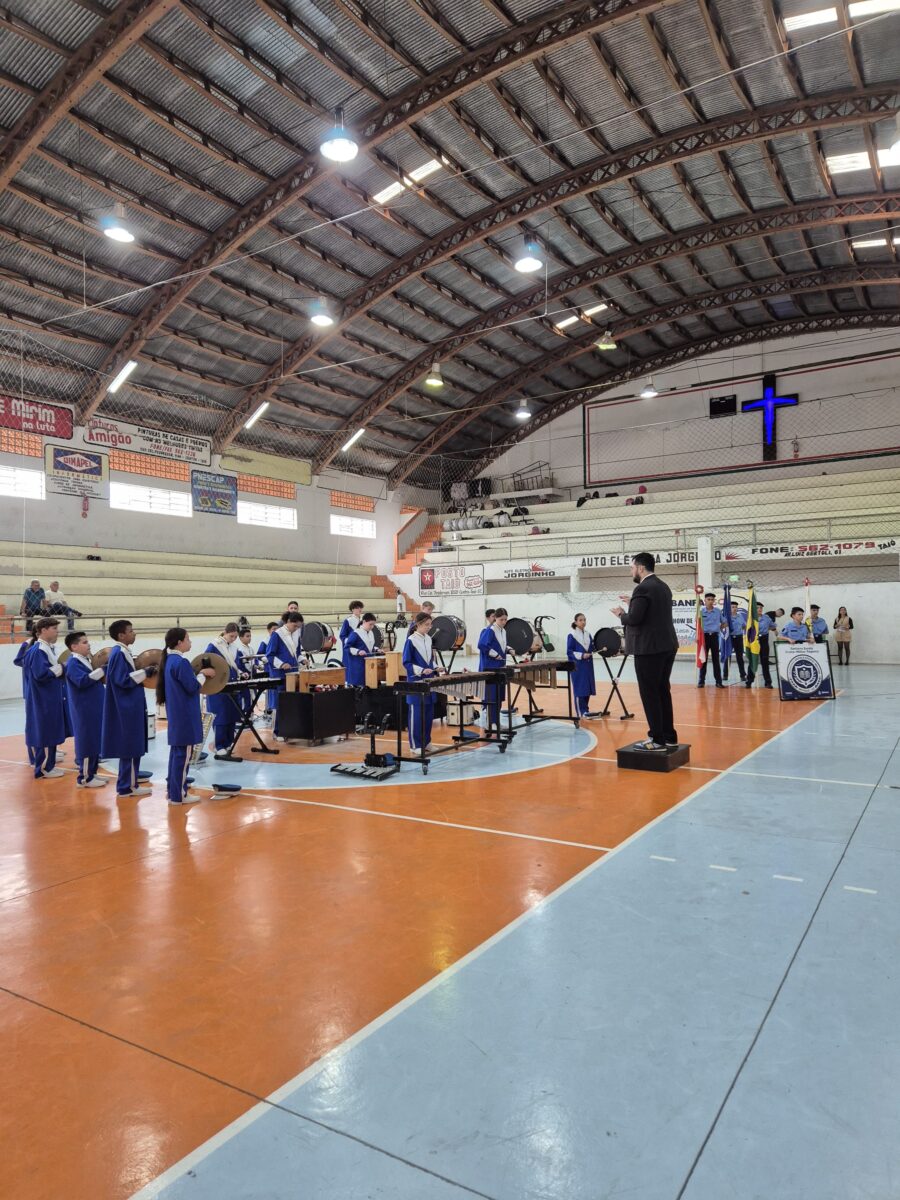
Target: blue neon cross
769	404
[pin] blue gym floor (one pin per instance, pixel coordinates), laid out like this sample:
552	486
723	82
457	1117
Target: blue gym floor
709	1012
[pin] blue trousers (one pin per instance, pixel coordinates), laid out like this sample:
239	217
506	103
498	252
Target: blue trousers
493	697
44	759
414	720
582	705
87	766
224	735
127	779
179	760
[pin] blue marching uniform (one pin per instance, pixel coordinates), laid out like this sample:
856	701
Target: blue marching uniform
86	696
223	707
124	727
19	661
281	650
241	655
578	644
492	657
184	721
271	694
346	629
419	661
45	712
357	650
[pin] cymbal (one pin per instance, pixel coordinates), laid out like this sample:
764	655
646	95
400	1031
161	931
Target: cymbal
101	658
219	665
61	658
148	658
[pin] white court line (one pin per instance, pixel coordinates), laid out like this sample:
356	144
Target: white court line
789	878
597	758
745	728
804	778
191	1160
719	867
663	858
865	891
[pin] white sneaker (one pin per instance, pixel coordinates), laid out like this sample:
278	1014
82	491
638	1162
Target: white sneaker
140	791
186	801
56	773
93	783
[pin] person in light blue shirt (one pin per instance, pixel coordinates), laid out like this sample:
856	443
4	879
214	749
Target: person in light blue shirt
818	625
711	621
795	630
765	624
738	622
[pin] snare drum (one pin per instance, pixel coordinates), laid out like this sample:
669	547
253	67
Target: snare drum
448	633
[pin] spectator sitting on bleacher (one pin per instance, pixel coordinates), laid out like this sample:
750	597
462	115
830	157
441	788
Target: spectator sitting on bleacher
32	603
57	605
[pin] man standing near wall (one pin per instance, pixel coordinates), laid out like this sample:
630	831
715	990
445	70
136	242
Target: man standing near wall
651	639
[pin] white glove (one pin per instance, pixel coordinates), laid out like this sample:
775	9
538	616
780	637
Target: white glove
98	674
279	665
138	676
56	670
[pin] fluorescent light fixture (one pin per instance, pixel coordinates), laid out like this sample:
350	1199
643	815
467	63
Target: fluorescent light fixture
868	8
594	309
607	341
868	243
113	225
251	421
839	164
523	412
434	378
320	314
337	144
531	260
425	170
388	193
820	16
350	441
649	392
566	322
122	375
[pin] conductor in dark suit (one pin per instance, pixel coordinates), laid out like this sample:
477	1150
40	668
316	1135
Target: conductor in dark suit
651	638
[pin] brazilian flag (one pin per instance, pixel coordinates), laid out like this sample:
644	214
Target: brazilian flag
751	633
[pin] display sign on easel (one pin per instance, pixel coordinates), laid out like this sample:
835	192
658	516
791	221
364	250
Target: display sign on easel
804	671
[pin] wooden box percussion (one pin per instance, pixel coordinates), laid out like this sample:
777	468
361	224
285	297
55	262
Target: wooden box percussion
303	681
387	668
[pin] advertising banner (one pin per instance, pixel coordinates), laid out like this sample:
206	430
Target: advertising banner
881	545
34	416
464	579
76	472
139	439
664	558
214	493
804	671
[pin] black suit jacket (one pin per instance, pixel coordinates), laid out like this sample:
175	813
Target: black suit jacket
649	628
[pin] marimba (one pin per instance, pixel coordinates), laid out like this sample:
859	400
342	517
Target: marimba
465	685
542	673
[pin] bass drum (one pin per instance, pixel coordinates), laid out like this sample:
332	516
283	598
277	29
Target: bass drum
316	637
520	636
608	642
448	633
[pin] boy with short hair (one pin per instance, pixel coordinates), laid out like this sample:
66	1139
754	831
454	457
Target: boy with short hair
86	700
124	724
45	710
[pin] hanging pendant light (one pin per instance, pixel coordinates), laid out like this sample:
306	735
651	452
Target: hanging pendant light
113	225
337	144
607	341
523	412
649	392
320	314
530	261
434	378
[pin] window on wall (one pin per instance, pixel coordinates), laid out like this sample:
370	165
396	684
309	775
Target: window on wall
345	526
275	516
21	482
161	502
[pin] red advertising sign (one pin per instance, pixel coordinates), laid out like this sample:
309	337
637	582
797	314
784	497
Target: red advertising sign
36	416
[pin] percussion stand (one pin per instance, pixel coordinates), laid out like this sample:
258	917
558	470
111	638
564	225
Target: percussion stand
257	685
614	689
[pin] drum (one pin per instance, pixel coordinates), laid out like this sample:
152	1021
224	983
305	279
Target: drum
316	636
608	642
520	636
378	634
448	633
148	658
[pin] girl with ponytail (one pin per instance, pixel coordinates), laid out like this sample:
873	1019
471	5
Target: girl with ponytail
179	689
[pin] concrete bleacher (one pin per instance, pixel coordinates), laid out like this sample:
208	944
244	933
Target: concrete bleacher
838	506
159	589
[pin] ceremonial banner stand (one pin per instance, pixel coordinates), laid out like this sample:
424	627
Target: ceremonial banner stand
804	671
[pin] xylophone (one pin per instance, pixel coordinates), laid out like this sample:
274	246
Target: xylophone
465	685
541	673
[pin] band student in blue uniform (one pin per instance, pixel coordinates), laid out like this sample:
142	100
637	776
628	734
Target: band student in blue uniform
271	694
284	653
45	712
818	625
350	625
222	707
244	657
492	657
124	727
420	663
359	646
796	630
766	625
580	650
178	689
87	695
711	619
738	629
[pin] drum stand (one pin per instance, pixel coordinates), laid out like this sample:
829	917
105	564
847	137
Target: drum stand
614	689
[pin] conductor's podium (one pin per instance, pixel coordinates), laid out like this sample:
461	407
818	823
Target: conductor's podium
630	758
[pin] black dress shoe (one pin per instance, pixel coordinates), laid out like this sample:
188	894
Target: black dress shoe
721	685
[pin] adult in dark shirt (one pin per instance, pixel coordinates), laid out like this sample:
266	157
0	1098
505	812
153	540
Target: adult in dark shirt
651	638
32	603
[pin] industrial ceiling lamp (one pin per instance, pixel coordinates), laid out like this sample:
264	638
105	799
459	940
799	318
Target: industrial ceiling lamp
434	378
606	341
523	412
649	392
113	225
337	144
320	314
531	260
